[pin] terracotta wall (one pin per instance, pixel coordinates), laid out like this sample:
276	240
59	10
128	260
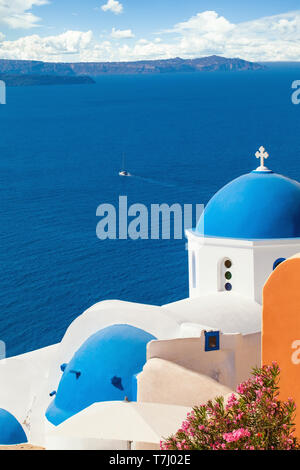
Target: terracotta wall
281	327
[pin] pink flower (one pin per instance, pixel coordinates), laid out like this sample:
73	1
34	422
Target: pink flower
258	416
236	435
241	388
232	400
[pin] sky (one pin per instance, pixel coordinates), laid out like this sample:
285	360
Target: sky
124	30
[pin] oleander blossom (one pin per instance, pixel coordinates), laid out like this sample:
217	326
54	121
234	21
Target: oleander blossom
253	418
236	435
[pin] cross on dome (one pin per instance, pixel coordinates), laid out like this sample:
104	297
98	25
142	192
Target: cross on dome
263	155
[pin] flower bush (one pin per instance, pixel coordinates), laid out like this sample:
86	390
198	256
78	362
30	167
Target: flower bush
252	419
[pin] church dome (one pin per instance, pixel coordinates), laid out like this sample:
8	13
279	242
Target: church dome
258	205
103	369
11	431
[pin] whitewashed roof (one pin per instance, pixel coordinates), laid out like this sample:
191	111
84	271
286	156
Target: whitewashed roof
224	311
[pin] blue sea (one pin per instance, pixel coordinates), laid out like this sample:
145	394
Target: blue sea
61	147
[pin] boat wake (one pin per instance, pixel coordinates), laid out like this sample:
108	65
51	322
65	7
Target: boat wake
153	181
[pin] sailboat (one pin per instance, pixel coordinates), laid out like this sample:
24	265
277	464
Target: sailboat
124	172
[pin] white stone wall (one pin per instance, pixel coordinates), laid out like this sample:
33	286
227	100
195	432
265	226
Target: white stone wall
252	263
228	366
210	254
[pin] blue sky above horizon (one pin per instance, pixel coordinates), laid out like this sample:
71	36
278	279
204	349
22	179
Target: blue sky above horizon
72	30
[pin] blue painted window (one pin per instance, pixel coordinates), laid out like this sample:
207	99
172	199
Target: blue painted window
212	340
278	262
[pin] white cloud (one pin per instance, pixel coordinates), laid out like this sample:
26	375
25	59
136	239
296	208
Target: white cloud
121	33
16	14
270	38
204	23
53	48
114	6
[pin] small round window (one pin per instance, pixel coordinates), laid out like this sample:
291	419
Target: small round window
226	276
278	262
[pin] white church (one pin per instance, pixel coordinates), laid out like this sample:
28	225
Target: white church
180	353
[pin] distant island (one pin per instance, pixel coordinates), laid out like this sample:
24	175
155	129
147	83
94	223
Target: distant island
31	72
27	80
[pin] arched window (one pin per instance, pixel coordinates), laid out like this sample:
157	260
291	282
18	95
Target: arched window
225	276
278	262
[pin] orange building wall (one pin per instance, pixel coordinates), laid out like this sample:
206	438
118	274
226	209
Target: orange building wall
281	328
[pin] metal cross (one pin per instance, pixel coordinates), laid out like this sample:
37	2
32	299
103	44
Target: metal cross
262	154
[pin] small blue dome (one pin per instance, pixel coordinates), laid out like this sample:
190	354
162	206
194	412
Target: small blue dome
258	205
103	369
11	431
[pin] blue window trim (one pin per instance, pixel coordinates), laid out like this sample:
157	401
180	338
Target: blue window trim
278	262
209	334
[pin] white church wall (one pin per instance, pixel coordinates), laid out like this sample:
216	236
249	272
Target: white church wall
252	263
210	254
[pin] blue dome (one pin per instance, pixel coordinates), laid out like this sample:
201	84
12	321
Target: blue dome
11	431
258	205
103	369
